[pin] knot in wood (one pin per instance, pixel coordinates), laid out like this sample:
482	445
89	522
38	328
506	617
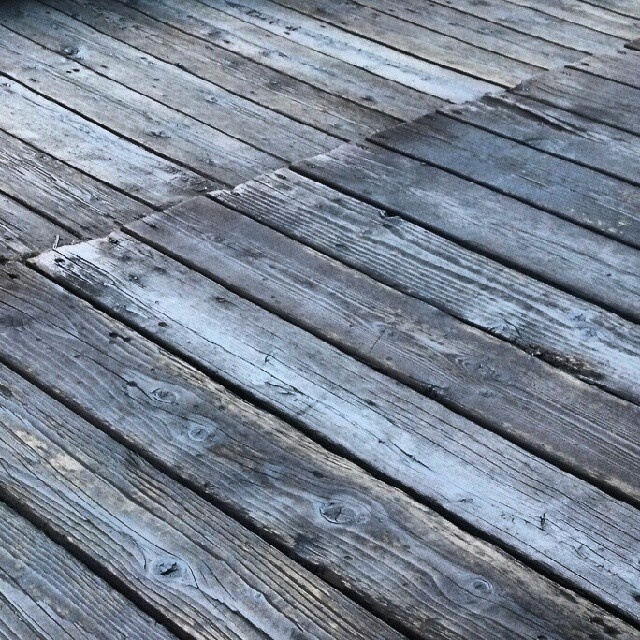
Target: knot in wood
344	512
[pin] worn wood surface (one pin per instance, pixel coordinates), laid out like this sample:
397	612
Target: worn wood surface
558	132
572	334
512	232
571	423
47	594
171	86
267	87
507	494
623	7
598	202
622	66
196	569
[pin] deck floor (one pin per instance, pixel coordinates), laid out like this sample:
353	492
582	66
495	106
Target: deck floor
320	320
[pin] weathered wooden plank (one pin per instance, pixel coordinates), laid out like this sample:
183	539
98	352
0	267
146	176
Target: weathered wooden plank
510	231
196	569
623	7
77	142
595	19
508	494
430	45
508	27
572	334
129	114
299	62
498	26
46	593
572	192
168	84
571	423
325	511
622	66
634	45
68	197
23	232
557	132
261	84
355	51
602	100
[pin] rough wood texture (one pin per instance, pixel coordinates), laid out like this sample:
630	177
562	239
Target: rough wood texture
570	191
66	136
558	132
532	508
23	232
156	128
622	66
572	334
413	39
514	233
71	199
168	84
261	84
47	594
587	431
317	69
602	100
199	571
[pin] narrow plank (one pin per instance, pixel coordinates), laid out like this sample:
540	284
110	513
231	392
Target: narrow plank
355	51
291	490
169	85
196	569
81	144
129	114
598	99
73	200
633	45
623	7
571	423
431	45
298	62
570	191
498	26
595	19
24	232
514	233
558	132
511	26
622	66
265	86
508	494
572	334
46	593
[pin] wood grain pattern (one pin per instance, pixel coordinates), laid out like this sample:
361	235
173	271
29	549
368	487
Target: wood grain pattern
579	337
575	193
558	132
167	84
506	493
47	594
622	66
199	571
571	423
156	128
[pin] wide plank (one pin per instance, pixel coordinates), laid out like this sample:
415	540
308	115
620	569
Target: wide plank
23	231
506	493
274	52
572	334
585	430
129	114
265	86
572	192
622	66
355	51
196	569
45	593
428	577
168	84
431	45
77	142
497	26
598	99
558	132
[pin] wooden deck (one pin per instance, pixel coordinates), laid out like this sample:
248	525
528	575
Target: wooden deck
320	319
